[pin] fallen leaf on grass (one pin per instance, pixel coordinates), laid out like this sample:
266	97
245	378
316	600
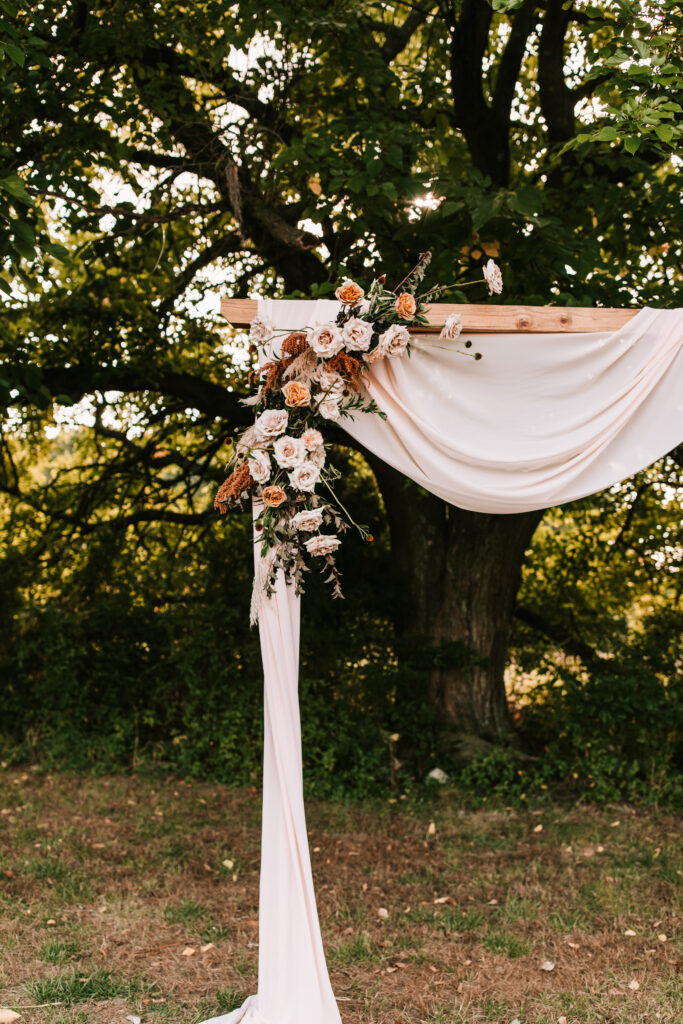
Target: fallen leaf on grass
133	1019
188	951
383	913
547	965
207	947
431	831
8	1015
630	932
539	828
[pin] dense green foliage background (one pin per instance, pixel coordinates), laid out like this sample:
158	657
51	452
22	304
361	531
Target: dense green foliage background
176	151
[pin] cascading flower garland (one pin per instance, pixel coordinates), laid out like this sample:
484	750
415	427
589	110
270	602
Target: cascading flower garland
281	460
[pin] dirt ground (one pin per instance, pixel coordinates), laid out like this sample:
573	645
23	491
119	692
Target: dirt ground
124	896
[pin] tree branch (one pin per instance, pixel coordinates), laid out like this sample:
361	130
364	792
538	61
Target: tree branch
556	98
522	25
570	645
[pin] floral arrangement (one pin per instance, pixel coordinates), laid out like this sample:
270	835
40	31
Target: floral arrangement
281	460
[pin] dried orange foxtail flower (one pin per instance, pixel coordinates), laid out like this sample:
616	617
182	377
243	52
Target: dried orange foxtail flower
350	367
232	489
294	345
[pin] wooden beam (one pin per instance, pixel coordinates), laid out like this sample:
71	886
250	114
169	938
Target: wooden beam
486	319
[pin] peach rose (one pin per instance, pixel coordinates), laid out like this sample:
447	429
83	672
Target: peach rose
273	496
296	394
349	293
405	305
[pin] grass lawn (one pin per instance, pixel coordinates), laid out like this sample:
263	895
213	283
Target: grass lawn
125	896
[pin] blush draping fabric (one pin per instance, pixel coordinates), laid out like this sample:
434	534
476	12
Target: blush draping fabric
540	420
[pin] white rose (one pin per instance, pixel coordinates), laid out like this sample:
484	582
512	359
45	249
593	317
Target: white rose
312	438
329	409
357	334
452	328
260	330
394	340
317	457
322	545
308	520
289	452
305	477
326	341
259	466
493	277
271	423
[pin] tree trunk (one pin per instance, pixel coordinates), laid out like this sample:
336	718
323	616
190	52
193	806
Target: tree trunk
457	574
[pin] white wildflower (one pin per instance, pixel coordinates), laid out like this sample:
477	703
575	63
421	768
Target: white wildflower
260	330
452	329
493	277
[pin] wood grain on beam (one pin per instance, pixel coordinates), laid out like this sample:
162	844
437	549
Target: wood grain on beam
486	319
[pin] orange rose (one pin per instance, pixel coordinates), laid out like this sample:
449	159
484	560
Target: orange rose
296	394
273	496
405	305
349	293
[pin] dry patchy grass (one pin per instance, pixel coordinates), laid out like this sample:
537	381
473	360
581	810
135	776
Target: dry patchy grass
105	884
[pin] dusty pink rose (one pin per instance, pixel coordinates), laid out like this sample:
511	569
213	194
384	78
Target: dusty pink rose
312	439
394	340
326	341
305	477
329	409
308	520
271	423
357	334
322	544
259	466
289	452
331	383
317	457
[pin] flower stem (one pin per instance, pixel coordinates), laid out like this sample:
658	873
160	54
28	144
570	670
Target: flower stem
362	531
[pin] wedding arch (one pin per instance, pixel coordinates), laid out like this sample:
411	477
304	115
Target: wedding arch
564	403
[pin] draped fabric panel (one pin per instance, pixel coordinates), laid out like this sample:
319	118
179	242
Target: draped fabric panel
540	420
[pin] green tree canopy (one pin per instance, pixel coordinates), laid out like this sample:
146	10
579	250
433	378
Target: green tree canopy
179	151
